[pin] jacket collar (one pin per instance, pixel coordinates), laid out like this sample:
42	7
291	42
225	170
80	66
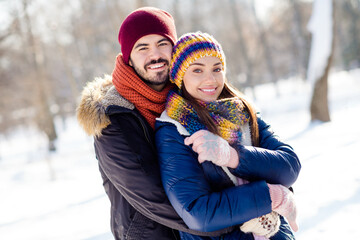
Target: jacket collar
96	98
164	117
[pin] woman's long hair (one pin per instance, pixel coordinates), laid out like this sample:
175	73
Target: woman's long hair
227	92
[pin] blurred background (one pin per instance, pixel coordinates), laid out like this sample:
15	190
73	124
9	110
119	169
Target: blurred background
49	50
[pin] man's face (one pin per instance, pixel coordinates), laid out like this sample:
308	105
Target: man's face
150	57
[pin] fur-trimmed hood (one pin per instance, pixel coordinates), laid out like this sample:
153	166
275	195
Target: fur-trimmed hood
95	98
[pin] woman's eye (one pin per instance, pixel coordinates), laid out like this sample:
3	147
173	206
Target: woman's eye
197	70
217	70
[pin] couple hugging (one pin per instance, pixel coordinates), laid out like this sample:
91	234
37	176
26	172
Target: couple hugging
182	153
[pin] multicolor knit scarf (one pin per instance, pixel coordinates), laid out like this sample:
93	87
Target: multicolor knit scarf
228	114
149	102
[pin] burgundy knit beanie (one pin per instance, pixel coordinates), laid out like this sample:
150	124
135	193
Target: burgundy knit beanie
142	22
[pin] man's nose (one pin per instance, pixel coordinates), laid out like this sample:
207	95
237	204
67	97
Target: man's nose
155	53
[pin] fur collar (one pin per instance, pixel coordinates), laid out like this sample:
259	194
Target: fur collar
95	98
164	117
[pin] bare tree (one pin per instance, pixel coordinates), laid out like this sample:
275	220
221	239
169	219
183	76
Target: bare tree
140	3
298	38
176	6
265	46
352	51
249	68
44	118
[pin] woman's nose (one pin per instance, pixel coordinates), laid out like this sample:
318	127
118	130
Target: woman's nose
210	77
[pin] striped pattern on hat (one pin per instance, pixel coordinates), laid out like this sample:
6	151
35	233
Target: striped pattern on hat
188	49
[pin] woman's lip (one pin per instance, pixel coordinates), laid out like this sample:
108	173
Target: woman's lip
209	91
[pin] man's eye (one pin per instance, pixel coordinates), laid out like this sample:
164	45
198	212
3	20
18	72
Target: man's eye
142	49
164	44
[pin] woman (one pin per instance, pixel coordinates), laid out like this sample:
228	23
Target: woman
221	165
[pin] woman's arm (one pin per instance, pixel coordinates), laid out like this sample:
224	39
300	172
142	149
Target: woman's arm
190	194
274	161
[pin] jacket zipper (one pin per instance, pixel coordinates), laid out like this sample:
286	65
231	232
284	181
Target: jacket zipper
144	128
145	131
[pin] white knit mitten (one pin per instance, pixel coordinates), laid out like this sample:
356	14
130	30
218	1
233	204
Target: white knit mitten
210	147
283	202
266	225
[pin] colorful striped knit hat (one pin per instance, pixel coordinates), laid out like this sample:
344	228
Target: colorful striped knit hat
188	49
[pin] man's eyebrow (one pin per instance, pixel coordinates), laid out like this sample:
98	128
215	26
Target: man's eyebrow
141	45
163	40
146	44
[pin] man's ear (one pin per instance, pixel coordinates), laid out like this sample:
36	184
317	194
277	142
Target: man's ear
130	62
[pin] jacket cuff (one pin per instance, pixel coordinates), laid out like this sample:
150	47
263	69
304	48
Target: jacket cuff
263	201
241	169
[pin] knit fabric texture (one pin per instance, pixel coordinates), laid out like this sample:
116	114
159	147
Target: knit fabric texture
228	114
142	22
188	49
149	102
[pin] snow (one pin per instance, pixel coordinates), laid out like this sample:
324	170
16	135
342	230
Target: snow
320	26
328	188
65	199
61	200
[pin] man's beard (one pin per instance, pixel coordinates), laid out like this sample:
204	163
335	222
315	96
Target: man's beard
160	77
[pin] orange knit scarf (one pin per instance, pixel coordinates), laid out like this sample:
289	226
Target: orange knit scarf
149	102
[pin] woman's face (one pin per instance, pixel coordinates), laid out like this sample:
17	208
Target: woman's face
204	79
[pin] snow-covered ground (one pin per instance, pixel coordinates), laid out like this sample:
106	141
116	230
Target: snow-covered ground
60	196
328	188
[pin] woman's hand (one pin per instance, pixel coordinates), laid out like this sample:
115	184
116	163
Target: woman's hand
283	203
211	147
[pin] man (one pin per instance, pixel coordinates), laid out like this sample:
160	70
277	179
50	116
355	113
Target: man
120	112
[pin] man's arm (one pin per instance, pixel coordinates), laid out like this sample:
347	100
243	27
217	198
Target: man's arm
130	163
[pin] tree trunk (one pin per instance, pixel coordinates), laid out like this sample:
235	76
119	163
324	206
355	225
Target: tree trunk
177	17
354	36
298	38
140	3
319	103
196	16
319	107
243	48
44	118
265	46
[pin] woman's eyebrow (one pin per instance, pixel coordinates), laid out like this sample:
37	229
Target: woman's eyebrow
201	64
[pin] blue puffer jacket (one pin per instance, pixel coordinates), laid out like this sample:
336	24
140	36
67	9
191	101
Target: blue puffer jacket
205	197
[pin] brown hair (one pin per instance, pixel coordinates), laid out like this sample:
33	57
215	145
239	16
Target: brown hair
227	92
